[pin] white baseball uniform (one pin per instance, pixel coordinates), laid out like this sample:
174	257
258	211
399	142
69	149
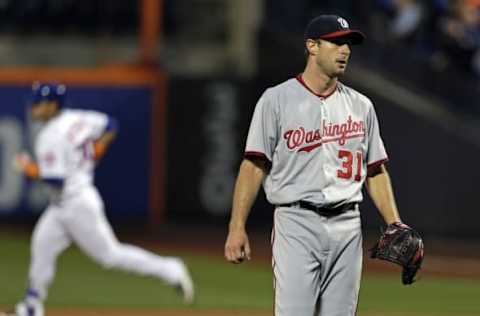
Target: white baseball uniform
319	149
64	153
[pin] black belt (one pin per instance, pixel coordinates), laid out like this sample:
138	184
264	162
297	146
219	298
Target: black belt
323	210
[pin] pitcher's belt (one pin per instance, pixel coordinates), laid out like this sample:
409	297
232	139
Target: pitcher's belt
322	210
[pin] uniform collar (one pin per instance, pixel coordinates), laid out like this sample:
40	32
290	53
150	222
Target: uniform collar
321	96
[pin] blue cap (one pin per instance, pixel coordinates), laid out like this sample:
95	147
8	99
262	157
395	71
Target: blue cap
48	92
331	27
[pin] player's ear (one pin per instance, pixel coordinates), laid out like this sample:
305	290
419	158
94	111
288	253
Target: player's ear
310	46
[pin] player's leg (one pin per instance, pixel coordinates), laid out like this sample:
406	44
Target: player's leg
340	279
48	240
93	234
295	267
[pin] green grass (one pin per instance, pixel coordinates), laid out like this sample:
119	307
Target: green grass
429	296
81	283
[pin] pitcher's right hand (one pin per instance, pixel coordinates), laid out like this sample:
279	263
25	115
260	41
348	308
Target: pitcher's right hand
237	247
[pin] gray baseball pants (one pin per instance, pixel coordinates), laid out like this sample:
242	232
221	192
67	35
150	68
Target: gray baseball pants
317	262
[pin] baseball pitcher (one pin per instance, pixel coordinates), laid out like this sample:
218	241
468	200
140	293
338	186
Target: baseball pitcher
313	142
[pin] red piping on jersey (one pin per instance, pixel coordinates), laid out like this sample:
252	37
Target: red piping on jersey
376	164
300	79
255	154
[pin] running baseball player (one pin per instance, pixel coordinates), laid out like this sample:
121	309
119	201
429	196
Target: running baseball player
66	150
312	143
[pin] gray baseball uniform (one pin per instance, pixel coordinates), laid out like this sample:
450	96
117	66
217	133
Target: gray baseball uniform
320	149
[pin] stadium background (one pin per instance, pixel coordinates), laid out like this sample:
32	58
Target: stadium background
182	77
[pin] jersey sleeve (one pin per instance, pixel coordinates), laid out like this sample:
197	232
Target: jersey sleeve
86	126
97	123
262	135
376	153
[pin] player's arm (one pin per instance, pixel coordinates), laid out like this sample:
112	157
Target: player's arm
249	179
379	187
31	169
101	144
24	164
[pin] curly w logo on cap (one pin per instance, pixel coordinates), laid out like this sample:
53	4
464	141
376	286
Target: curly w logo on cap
343	23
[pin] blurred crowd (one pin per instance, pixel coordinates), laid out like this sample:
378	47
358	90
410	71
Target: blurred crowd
431	46
86	17
444	32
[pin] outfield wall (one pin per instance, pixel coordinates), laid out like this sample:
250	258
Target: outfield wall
130	177
434	172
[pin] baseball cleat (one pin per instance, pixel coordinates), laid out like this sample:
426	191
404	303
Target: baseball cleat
24	309
185	285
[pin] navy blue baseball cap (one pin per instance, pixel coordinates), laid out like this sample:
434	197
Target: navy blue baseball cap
48	92
331	27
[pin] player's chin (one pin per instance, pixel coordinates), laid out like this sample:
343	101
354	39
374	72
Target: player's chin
340	70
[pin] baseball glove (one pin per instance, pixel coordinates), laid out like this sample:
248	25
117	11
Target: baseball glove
402	245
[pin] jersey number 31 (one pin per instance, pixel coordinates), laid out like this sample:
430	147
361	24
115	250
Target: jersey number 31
347	165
